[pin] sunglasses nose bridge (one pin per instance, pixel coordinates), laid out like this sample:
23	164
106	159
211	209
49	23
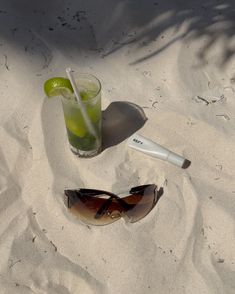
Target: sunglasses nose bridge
114	214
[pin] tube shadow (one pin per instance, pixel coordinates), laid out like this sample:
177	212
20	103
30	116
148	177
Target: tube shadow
120	121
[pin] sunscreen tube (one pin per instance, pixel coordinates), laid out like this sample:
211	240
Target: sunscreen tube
153	149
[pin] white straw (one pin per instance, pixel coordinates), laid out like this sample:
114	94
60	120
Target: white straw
80	103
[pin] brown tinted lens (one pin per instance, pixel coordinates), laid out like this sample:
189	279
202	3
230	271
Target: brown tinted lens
140	203
86	208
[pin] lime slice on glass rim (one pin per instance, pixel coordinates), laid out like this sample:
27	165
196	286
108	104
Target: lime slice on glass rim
58	87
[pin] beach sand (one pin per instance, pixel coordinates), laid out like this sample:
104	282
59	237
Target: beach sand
167	71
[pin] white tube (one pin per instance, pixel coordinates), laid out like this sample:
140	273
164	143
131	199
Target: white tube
153	149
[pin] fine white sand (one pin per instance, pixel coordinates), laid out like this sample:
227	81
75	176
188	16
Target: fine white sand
167	69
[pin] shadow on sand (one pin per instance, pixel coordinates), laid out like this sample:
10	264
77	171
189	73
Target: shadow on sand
81	28
120	121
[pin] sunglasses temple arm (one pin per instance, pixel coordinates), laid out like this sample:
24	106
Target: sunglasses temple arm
69	196
119	200
123	203
102	210
138	189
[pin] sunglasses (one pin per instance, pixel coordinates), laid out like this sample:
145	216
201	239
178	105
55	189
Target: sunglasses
97	207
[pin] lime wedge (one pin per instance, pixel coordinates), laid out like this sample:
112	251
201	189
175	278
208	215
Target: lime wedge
75	127
58	86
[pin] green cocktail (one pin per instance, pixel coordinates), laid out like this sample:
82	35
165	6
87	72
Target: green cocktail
82	141
83	116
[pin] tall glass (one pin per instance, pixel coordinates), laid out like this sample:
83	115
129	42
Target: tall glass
82	141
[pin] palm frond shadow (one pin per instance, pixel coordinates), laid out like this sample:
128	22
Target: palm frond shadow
82	28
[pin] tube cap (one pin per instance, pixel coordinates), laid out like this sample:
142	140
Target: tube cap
175	159
178	160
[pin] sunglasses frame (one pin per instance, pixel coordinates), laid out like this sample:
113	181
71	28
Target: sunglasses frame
71	196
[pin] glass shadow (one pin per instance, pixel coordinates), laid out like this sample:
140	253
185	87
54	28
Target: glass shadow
120	120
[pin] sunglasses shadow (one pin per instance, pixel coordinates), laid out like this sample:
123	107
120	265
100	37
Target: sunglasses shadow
119	121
